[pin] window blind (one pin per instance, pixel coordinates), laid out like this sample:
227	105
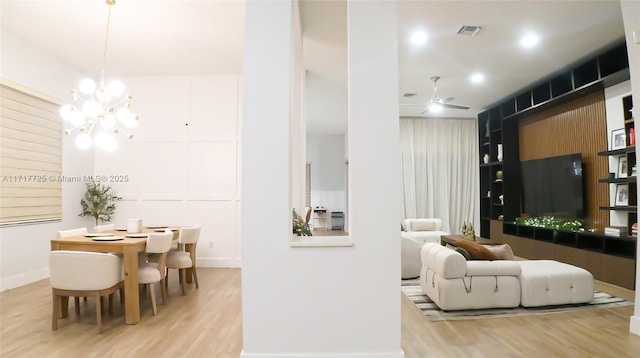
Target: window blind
30	156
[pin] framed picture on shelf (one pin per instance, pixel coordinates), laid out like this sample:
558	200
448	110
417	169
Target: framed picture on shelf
622	195
623	168
618	139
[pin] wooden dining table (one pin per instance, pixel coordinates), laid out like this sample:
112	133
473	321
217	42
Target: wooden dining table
129	247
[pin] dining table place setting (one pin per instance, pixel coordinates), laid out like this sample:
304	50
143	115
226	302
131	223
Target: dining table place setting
103	236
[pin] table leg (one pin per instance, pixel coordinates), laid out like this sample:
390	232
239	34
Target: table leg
131	294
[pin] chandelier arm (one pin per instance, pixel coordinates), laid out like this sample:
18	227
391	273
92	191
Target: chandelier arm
106	42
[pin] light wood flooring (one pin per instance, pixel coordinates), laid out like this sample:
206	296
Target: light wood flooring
208	323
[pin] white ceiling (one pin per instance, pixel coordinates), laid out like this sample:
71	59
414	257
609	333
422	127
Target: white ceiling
206	37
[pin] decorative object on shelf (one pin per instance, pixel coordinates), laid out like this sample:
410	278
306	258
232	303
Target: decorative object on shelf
501	197
300	226
552	223
622	195
499	152
618	140
499	175
99	202
102	108
467	231
622	167
489	194
487	130
485	159
500	217
634	170
632	137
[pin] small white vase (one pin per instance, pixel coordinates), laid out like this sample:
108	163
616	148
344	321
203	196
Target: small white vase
485	159
499	152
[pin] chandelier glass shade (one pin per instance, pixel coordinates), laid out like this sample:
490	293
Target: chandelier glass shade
99	112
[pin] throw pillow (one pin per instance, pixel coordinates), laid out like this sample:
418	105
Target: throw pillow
476	251
503	251
423	226
463	252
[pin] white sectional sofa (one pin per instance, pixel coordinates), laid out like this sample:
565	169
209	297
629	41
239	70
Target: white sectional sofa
453	283
415	233
423	230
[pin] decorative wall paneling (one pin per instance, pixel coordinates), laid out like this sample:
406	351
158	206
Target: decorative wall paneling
578	126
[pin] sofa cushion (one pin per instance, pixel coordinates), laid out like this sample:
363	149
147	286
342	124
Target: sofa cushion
503	251
420	225
447	263
407	223
477	251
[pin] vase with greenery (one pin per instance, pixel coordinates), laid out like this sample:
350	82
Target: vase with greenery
300	226
99	202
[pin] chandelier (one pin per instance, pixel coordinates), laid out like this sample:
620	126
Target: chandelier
99	113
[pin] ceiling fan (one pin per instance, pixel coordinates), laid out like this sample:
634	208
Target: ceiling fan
436	103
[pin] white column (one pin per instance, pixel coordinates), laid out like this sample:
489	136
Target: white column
631	17
329	301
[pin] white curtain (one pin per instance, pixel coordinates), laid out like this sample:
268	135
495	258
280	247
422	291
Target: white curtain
440	165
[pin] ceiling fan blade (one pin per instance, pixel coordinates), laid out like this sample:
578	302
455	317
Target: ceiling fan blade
448	99
454	106
410	104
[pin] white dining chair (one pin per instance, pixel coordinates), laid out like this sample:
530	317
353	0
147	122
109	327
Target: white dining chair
82	274
158	244
105	227
68	233
72	232
181	259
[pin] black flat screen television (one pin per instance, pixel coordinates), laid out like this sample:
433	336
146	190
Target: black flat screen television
553	187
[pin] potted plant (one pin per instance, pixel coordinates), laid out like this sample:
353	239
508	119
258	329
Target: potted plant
99	202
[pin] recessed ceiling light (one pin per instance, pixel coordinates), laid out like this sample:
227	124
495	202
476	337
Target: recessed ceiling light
477	78
529	40
418	37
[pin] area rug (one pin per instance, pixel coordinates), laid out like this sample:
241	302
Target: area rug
411	289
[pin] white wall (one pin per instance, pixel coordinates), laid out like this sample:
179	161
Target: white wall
308	301
631	17
183	163
24	249
326	153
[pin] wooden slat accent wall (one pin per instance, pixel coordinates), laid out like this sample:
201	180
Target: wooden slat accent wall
578	126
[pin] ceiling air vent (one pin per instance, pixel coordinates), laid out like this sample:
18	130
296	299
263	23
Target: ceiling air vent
467	30
409	95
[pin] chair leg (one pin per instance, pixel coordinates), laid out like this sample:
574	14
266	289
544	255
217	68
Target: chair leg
99	312
163	291
166	279
195	276
183	281
76	304
121	290
101	303
56	310
153	298
110	309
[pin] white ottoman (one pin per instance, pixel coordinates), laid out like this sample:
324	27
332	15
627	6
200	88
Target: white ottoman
547	282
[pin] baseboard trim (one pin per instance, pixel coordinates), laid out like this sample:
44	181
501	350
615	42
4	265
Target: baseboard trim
23	279
634	325
230	263
399	354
